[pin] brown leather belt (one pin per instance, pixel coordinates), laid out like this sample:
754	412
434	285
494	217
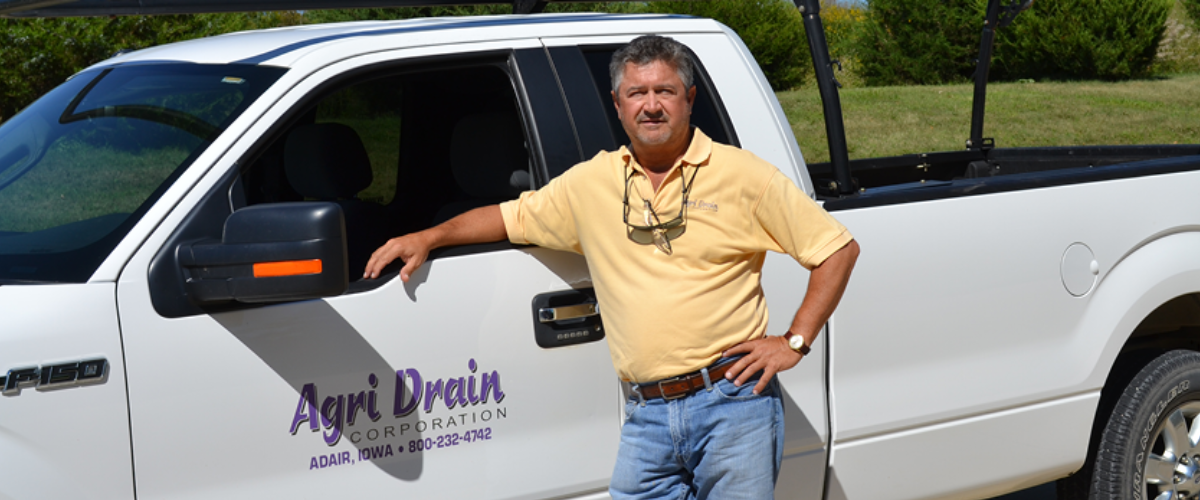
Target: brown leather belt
683	385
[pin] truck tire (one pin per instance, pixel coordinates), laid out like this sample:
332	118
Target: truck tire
1150	447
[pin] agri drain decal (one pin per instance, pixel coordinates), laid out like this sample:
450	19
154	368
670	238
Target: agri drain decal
451	409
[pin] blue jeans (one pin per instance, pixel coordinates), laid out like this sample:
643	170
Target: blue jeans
722	443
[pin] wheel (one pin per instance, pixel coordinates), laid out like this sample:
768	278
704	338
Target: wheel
1150	447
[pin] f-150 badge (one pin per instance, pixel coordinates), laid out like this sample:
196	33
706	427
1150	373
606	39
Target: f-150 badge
90	371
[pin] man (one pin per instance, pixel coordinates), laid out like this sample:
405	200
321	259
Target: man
677	277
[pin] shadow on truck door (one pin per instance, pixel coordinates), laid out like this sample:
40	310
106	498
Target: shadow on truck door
309	341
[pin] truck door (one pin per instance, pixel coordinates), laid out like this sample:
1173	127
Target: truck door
448	386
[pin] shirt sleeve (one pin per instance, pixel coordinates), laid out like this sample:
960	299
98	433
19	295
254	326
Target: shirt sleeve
543	217
796	225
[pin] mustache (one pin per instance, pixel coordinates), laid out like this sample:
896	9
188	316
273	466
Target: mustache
646	115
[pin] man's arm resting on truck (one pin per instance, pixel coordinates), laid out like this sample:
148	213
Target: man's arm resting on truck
481	225
772	354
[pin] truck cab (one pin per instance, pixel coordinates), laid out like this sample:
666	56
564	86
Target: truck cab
189	306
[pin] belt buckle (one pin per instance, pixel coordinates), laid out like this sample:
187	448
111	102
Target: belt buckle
663	392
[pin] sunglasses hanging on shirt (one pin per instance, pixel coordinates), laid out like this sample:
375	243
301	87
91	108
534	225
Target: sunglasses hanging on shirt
654	230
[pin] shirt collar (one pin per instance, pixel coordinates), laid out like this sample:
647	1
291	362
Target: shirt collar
697	154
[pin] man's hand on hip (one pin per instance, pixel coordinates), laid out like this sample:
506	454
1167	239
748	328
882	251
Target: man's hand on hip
769	355
772	354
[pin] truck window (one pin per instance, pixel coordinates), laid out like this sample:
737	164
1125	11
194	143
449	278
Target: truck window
80	165
400	152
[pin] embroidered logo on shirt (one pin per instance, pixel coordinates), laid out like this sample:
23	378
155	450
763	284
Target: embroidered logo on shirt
702	205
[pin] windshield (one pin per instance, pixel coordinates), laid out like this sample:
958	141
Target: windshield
80	166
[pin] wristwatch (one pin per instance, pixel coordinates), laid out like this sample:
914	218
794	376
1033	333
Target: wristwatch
796	342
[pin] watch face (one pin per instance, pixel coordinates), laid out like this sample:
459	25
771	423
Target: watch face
796	342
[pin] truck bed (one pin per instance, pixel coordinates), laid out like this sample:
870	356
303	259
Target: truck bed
946	174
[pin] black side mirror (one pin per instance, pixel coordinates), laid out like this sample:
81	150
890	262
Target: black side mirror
270	253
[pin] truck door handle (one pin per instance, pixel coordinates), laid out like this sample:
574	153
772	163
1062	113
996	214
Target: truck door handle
566	317
552	314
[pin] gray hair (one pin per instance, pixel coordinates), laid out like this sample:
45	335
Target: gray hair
646	49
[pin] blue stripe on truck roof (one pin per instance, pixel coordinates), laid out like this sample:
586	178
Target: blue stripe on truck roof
474	23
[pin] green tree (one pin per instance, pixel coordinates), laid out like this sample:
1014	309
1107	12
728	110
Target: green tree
39	54
937	41
1193	11
609	7
772	29
1102	39
906	42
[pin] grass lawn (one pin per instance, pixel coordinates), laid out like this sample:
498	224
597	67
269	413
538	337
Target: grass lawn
886	121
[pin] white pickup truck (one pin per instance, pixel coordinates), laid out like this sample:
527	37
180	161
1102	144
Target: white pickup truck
182	227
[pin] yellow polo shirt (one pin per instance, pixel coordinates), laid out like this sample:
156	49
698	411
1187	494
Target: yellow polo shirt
667	315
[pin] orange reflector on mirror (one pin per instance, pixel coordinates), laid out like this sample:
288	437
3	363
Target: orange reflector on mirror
287	268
